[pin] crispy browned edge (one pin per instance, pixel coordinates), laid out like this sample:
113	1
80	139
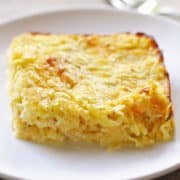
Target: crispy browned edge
161	59
154	44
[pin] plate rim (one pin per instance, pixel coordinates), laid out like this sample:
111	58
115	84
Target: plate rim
12	20
85	9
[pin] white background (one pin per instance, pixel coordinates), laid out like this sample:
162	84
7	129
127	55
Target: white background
15	8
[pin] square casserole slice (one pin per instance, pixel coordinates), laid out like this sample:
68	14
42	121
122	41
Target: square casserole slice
112	90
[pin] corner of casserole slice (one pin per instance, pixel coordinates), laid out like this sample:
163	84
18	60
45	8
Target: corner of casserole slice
111	90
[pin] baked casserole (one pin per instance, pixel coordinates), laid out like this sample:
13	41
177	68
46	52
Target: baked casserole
111	90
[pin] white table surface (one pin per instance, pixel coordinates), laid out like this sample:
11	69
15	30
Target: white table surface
16	8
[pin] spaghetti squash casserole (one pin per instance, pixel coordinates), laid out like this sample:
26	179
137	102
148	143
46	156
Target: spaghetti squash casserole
111	90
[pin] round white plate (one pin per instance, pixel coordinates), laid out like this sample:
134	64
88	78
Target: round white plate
28	160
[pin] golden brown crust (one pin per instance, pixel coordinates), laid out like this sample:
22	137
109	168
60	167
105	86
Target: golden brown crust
161	60
40	33
153	41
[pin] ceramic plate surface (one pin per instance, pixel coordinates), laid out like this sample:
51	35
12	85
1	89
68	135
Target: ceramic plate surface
33	161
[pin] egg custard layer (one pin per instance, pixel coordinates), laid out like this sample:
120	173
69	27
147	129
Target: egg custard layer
111	90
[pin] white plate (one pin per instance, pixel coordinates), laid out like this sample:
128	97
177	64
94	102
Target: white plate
27	160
